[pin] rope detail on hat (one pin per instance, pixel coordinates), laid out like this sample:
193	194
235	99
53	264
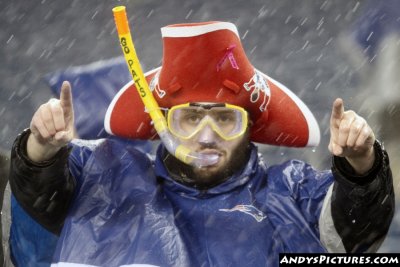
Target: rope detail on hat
228	55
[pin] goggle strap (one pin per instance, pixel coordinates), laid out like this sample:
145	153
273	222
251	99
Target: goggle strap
146	110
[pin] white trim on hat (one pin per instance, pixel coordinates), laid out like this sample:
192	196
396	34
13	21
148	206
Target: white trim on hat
195	30
314	135
107	118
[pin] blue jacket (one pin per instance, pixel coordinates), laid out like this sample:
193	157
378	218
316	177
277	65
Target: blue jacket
127	210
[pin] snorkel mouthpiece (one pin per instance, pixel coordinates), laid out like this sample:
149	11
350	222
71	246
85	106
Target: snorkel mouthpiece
186	155
173	145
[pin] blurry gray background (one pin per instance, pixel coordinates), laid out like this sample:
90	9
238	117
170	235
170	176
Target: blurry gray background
304	44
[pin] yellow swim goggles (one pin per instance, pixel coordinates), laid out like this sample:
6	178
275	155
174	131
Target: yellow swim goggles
228	121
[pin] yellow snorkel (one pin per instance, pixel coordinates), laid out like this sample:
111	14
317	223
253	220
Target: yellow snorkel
160	124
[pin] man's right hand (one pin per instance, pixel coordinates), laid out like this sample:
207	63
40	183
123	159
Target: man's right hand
52	126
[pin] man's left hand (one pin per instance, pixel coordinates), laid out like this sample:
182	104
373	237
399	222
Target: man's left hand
352	138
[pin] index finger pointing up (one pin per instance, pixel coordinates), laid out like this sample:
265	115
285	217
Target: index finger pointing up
337	110
66	96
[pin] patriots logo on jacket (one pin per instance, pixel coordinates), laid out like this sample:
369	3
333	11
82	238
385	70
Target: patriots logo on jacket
248	209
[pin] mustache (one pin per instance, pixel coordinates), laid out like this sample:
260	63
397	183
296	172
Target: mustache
211	145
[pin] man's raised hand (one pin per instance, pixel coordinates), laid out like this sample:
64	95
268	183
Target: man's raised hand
52	126
351	137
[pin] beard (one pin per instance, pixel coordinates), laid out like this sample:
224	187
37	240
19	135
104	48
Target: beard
207	177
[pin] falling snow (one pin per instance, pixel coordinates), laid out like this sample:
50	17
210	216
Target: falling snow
310	47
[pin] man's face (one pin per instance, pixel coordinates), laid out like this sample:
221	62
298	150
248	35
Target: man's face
232	152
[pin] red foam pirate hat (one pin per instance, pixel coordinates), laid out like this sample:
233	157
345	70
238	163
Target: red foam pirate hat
205	62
